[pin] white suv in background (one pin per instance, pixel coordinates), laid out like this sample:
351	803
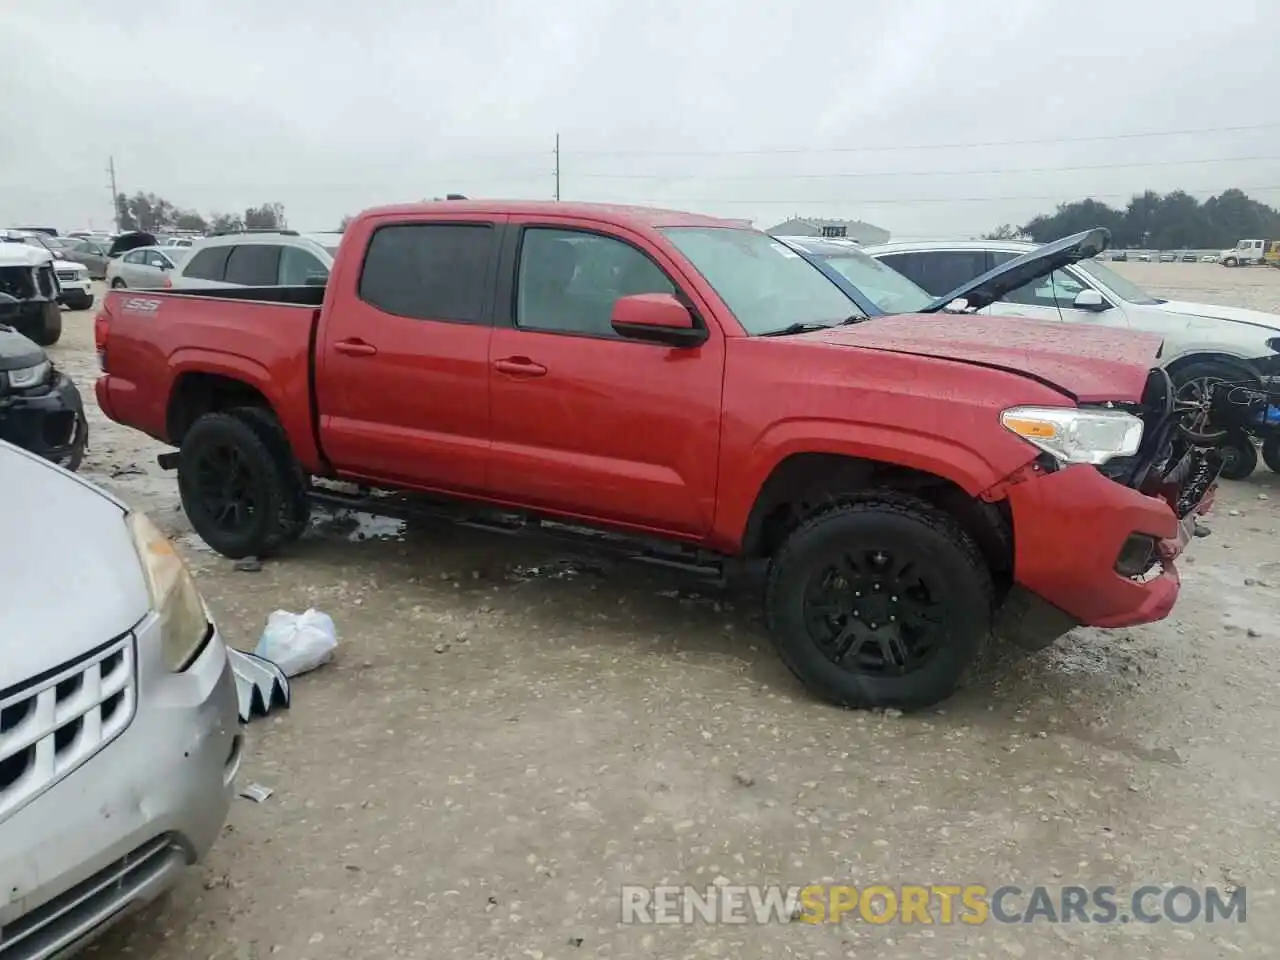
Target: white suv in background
1202	342
75	289
283	258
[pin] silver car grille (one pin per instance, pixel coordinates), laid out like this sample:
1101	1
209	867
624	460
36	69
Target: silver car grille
51	725
66	274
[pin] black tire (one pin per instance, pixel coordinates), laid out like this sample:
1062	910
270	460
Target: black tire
1229	262
83	303
79	441
117	284
235	485
857	536
1191	381
295	512
1239	457
49	331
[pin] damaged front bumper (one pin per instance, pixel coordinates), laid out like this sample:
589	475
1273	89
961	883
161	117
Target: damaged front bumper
48	420
1092	552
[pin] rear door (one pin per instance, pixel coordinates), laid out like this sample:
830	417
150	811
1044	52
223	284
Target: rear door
403	359
585	422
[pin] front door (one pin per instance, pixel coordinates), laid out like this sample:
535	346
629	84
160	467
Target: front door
403	363
585	422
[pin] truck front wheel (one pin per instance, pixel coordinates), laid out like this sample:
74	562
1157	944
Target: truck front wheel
880	602
239	487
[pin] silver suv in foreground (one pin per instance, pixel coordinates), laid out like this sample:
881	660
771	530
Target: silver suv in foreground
119	731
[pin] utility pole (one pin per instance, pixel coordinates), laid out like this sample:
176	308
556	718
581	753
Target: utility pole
115	207
557	166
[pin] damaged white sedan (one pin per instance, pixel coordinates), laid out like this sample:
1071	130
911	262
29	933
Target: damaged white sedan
119	735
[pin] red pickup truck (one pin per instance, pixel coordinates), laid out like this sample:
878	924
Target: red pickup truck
913	482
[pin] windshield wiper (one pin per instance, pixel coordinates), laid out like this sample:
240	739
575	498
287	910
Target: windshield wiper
805	327
851	319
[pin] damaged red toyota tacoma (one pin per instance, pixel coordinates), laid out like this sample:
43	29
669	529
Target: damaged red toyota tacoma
913	483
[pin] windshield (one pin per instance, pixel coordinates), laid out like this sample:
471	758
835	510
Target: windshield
177	254
885	287
1117	284
766	284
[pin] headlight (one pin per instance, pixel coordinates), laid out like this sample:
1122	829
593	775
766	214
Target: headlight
82	272
184	626
1076	436
29	377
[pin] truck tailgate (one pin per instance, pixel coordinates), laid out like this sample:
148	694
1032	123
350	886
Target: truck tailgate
152	344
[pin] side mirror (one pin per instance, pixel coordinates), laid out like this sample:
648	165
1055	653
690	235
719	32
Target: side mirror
656	318
1090	300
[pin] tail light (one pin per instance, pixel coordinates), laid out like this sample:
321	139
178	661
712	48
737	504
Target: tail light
167	283
101	327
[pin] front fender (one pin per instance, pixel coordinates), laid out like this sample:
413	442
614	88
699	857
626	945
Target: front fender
942	456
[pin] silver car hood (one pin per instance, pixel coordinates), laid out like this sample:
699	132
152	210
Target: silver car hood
70	579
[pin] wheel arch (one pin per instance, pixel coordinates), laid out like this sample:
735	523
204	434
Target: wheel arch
805	483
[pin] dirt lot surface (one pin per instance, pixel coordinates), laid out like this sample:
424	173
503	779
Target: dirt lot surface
511	732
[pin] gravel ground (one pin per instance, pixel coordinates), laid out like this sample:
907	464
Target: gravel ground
510	733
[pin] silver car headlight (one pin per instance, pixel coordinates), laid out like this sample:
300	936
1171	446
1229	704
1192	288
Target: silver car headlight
1076	436
184	625
28	377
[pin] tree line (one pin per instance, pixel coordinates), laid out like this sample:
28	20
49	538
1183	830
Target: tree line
1170	221
146	211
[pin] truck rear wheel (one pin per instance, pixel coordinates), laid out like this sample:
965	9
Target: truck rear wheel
880	602
239	486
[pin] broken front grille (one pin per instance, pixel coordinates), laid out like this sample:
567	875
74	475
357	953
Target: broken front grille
51	725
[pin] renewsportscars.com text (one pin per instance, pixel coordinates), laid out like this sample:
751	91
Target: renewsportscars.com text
928	904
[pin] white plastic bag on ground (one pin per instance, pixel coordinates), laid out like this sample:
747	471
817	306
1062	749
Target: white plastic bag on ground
298	642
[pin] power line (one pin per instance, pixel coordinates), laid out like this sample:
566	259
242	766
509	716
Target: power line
881	148
911	173
876	201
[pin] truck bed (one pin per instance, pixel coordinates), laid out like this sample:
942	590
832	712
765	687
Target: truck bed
164	350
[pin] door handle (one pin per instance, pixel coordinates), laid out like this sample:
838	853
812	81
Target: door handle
519	367
355	347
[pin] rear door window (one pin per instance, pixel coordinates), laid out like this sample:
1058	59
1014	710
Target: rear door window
254	265
209	264
939	271
429	271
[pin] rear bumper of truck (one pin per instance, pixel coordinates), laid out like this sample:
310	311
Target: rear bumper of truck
1097	552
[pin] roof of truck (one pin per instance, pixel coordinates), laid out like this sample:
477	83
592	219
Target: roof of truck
609	212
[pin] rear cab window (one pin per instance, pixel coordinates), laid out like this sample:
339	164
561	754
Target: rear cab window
429	271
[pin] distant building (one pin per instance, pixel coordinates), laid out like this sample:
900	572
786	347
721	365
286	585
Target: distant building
864	233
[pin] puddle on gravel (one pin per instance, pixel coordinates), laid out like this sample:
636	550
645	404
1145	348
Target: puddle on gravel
356	525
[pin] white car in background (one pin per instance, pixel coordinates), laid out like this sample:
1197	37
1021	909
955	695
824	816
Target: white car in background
266	258
145	267
75	289
1202	342
119	729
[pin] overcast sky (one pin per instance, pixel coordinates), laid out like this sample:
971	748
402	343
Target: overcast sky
862	109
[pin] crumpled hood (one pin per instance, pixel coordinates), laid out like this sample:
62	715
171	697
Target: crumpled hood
70	579
23	255
1091	364
1256	318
